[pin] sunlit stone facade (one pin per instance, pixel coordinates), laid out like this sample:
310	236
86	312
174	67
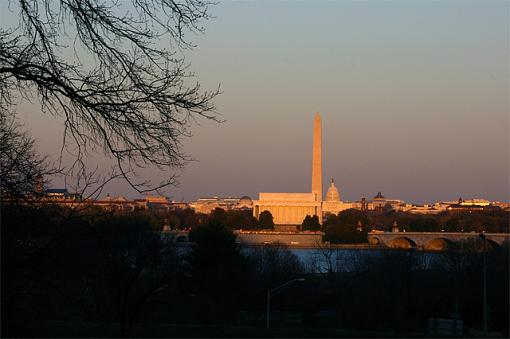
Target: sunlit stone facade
208	205
292	208
288	208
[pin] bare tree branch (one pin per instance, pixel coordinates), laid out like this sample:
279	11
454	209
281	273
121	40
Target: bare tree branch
20	164
123	93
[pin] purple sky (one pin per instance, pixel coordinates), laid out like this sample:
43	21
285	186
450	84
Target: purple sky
413	97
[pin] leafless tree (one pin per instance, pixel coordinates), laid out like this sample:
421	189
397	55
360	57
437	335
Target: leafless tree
274	264
121	91
331	259
20	164
325	259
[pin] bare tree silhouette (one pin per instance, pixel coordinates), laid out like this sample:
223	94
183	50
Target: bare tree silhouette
20	164
121	92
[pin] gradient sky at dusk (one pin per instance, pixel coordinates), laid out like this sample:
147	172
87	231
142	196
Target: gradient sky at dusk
414	98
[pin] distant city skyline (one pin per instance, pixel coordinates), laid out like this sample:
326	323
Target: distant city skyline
413	95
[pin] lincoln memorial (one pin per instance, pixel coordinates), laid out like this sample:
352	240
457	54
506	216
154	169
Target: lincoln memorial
289	209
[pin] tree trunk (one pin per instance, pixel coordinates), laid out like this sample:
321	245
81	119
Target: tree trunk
124	324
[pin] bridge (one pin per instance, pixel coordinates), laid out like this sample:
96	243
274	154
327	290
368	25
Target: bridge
174	236
432	241
295	239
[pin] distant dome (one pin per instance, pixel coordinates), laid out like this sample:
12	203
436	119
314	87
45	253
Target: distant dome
245	202
332	194
379	196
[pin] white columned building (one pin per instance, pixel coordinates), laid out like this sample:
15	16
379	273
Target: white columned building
290	209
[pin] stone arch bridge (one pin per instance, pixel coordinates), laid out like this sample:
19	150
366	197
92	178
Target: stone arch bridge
432	240
175	236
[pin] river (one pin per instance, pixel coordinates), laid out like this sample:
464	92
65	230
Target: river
355	259
350	259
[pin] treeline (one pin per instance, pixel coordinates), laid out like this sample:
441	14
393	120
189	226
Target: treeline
88	265
403	289
343	226
494	221
234	219
75	266
352	226
349	226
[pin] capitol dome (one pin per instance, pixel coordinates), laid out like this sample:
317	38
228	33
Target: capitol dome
332	194
245	202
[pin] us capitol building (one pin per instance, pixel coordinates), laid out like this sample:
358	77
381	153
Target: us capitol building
290	209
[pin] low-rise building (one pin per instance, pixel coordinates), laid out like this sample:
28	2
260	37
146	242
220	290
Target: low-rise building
209	204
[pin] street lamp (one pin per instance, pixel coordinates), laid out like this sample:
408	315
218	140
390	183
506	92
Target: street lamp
273	292
484	282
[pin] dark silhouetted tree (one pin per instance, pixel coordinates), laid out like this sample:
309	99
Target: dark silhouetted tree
20	164
426	224
342	228
218	271
241	219
132	264
270	266
388	209
219	214
311	223
185	218
266	220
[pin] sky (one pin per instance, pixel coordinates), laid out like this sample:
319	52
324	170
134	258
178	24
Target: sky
414	99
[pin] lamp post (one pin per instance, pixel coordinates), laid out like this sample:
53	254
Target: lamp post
484	283
274	291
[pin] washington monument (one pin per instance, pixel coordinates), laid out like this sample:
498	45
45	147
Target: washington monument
317	158
289	209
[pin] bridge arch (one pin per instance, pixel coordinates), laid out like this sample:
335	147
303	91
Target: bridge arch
181	238
402	242
491	244
374	241
438	244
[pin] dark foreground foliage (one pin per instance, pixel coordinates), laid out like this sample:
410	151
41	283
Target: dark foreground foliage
79	273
